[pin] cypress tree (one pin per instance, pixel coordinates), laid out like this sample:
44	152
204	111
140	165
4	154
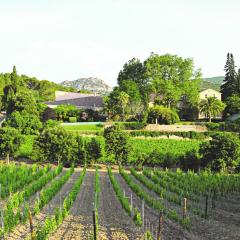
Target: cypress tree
11	90
229	85
238	82
14	80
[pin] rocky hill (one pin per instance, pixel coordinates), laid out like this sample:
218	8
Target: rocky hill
91	84
213	83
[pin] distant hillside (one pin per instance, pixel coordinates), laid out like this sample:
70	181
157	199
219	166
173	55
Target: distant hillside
91	84
213	83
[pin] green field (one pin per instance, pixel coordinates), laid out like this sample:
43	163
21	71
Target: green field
163	146
84	128
138	146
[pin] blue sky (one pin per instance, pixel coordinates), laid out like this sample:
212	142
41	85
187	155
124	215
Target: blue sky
66	39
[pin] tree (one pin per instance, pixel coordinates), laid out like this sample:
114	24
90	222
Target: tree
229	86
139	110
171	77
48	114
221	153
162	115
28	124
46	91
63	112
123	100
15	80
10	142
190	161
132	70
115	104
211	107
117	143
238	82
232	105
24	101
55	144
107	107
81	150
11	90
94	151
131	88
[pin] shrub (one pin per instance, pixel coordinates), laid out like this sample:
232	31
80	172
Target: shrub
72	119
117	143
51	123
26	123
221	153
190	161
55	144
132	125
213	126
156	158
162	115
191	134
94	150
47	114
225	126
10	142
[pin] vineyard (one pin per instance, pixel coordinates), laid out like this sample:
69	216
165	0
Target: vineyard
77	203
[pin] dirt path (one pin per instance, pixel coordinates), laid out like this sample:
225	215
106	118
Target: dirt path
113	219
78	225
22	230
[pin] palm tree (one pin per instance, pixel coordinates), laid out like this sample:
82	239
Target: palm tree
123	101
211	107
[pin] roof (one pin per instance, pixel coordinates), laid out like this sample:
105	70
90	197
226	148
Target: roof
83	102
61	95
207	89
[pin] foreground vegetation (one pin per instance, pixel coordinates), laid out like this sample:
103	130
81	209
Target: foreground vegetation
185	199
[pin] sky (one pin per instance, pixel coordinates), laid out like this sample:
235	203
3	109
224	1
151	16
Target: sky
62	40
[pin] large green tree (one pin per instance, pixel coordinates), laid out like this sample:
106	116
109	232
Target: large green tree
230	83
172	78
134	71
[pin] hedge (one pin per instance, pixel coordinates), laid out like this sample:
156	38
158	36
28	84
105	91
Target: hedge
191	134
132	125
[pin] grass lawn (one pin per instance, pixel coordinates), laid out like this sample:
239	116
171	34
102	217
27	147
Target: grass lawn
84	128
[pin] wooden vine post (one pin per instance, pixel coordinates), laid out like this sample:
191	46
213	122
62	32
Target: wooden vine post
2	220
160	226
143	213
31	224
184	208
94	226
206	206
